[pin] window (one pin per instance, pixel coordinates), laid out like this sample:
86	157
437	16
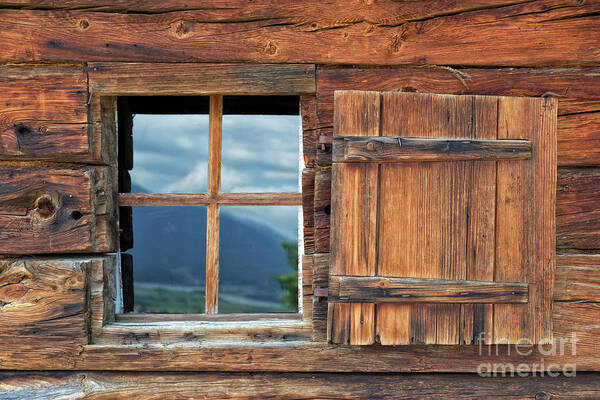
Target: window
210	203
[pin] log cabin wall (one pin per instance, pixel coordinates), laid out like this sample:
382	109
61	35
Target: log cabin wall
51	131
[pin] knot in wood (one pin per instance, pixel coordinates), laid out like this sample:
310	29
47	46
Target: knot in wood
271	48
182	29
84	24
45	206
22	129
42	130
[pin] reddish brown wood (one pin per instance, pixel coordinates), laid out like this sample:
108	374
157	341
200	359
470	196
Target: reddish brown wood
375	289
398	149
308	210
212	220
523	34
43	113
577	208
197	199
577	278
200	79
354	218
62	210
576	91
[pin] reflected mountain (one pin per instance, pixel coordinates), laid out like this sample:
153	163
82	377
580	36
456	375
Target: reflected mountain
170	246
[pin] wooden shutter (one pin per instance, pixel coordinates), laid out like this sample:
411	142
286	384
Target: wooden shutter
443	225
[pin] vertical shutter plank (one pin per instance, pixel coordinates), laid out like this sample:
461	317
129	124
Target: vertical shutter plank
481	222
514	208
544	215
354	214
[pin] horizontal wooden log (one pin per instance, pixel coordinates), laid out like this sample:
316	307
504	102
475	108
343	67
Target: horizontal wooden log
57	210
358	289
577	278
289	386
576	90
396	149
43	113
44	299
198	199
37	351
577	208
200	79
335	13
570	318
543	32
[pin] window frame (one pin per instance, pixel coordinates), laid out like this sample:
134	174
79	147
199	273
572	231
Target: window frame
213	199
108	81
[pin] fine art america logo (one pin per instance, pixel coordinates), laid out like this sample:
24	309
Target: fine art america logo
525	348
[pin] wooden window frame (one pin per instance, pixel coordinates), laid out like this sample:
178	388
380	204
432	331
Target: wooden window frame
213	199
108	81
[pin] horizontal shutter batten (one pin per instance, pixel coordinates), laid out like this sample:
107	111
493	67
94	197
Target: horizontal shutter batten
402	149
409	290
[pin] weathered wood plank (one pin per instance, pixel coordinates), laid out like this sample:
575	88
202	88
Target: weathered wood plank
354	191
577	278
334	13
43	113
57	210
115	385
396	149
197	199
570	318
200	79
45	300
308	210
406	290
576	89
544	32
577	208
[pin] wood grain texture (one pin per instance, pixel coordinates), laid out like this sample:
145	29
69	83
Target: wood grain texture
43	300
200	79
322	210
577	215
239	10
354	217
390	149
576	90
57	210
308	210
292	386
577	209
197	199
213	210
577	278
544	32
43	113
569	319
377	289
444	215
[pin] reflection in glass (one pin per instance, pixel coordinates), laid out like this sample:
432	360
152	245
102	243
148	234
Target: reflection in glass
260	153
169	259
170	154
258	257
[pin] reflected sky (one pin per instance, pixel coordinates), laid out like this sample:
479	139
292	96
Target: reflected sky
260	154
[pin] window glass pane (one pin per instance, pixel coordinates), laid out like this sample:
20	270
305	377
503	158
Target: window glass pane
169	259
170	154
258	257
260	153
